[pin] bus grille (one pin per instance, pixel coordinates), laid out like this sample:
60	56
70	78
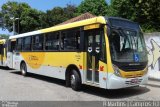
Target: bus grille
133	83
132	67
133	76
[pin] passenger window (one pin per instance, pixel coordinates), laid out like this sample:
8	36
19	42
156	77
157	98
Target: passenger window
38	42
52	41
70	40
19	44
27	41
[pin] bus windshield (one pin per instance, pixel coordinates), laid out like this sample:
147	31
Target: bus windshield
127	46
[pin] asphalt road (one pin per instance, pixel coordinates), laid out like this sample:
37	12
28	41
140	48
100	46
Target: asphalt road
15	87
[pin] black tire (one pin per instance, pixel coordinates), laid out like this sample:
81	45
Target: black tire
75	80
23	69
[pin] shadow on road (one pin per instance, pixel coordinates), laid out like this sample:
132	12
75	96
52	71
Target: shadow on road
43	78
117	93
111	94
5	68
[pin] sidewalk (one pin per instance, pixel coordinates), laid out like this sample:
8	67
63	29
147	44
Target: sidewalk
154	83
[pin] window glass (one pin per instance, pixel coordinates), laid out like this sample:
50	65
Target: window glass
9	46
19	44
52	41
103	47
38	42
70	40
1	48
13	46
27	43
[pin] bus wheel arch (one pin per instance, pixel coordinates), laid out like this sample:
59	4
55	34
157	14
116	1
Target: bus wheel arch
23	68
73	71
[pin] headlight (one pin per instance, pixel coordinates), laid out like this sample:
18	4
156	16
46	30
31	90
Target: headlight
116	71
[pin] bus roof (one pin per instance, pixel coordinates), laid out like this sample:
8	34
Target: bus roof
98	20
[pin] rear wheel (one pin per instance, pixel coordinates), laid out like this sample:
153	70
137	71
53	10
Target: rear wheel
75	80
23	69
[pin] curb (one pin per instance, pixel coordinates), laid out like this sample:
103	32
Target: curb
154	79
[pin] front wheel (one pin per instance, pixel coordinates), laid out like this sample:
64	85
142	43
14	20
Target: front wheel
75	80
23	69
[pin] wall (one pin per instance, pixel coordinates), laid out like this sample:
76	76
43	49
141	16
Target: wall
153	47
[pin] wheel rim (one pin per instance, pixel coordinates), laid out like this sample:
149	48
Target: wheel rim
23	69
73	79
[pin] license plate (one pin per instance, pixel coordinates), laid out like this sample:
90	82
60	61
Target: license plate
135	80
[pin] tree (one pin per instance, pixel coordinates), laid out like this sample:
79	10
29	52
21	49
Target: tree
58	15
29	19
146	12
4	36
1	20
54	16
70	11
96	7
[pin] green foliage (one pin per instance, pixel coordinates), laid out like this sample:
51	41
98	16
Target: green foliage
29	19
58	15
70	11
96	7
146	12
4	36
54	16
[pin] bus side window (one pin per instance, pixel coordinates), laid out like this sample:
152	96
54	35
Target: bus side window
19	44
52	41
27	43
70	40
38	42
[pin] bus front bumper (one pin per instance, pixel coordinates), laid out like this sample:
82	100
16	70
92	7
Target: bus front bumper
116	82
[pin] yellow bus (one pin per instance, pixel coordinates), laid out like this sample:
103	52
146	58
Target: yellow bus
109	53
3	59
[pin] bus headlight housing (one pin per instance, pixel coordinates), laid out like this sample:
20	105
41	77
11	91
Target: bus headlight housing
116	71
146	71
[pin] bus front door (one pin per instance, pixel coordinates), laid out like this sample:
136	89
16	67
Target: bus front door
92	41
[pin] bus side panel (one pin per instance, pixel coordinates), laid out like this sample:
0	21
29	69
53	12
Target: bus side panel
52	64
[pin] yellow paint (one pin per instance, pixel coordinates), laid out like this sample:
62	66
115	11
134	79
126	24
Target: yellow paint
57	59
92	26
34	59
3	57
2	41
98	20
133	74
108	55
